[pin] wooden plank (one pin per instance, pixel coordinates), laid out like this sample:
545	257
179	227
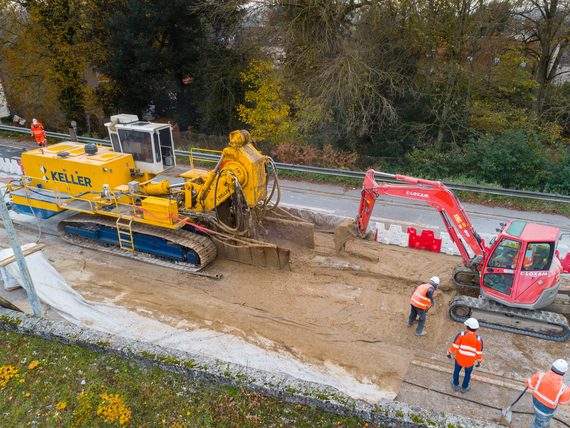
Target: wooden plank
27	252
6	304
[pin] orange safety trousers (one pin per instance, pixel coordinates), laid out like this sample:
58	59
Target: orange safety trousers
419	298
468	348
549	389
37	131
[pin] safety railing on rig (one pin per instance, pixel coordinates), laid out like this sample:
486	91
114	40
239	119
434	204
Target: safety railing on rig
204	155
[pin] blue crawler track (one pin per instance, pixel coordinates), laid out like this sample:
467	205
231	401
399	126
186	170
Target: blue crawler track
144	243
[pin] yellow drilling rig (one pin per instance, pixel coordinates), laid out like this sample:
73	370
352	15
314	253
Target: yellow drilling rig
133	200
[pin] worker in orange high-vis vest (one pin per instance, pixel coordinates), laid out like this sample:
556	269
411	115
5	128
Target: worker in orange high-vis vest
38	132
548	392
468	348
421	301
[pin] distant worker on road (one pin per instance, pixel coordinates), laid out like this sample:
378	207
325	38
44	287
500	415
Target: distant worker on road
421	301
38	132
468	348
548	392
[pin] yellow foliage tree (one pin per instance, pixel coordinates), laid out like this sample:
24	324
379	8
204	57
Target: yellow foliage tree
46	52
500	100
269	115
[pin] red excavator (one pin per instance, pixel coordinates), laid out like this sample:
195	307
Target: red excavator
518	275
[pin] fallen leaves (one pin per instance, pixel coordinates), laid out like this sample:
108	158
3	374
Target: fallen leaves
7	373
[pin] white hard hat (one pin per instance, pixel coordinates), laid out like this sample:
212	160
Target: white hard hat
34	120
434	280
560	366
472	323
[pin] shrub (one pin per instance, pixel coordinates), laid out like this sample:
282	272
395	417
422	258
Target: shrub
327	157
512	159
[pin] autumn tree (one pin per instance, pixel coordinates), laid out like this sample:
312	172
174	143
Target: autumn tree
454	32
544	28
267	110
47	56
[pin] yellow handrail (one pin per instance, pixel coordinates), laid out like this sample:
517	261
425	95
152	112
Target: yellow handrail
192	157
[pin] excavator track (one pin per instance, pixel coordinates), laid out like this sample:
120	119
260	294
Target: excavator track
490	314
201	245
465	277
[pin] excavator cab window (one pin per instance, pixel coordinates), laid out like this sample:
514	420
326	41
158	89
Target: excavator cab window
506	254
538	256
500	270
501	282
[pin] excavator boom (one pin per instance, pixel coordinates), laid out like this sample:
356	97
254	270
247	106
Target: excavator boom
436	195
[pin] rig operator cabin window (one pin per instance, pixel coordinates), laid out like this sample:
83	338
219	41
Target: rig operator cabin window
138	144
115	143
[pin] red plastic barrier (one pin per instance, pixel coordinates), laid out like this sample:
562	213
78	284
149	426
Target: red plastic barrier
565	262
425	241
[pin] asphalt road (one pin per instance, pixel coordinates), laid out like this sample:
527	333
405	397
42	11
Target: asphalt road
336	200
331	199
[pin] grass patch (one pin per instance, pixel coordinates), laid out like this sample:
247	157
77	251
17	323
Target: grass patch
514	203
319	178
48	384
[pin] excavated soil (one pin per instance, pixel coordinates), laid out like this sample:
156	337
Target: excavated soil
348	310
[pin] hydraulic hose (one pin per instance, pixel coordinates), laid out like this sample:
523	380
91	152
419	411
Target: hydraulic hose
240	197
35	217
275	185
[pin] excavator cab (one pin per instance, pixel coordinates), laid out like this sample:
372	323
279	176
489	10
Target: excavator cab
149	143
520	269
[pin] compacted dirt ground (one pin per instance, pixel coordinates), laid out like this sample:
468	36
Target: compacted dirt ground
348	310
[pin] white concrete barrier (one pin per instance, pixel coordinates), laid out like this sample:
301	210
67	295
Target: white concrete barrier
15	167
10	166
448	247
394	235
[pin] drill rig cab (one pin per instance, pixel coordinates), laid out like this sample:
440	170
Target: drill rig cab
150	144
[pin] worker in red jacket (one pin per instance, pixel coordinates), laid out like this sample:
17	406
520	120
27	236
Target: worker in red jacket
468	348
421	301
38	132
548	392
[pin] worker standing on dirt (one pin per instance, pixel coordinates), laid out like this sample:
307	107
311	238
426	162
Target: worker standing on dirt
421	301
38	132
548	392
467	348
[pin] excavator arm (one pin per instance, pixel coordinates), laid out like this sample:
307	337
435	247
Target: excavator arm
436	195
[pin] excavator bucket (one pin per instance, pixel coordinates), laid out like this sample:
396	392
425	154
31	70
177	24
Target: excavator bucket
344	232
253	252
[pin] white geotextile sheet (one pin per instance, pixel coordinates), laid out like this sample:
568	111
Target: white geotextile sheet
54	291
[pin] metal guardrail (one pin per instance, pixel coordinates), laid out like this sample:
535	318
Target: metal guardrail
56	135
335	172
